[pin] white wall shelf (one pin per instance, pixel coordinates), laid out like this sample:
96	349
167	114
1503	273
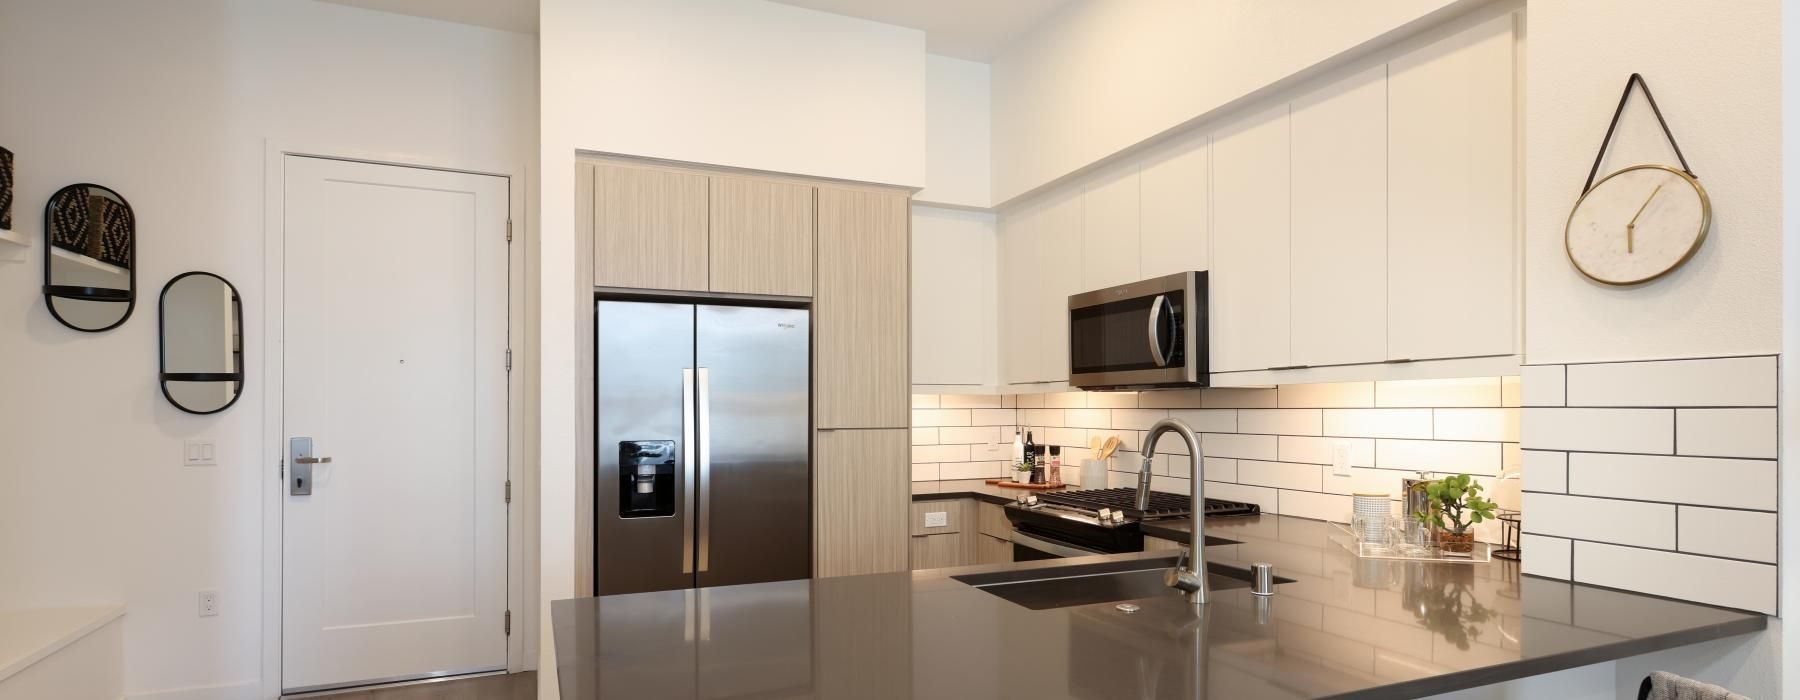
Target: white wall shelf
87	261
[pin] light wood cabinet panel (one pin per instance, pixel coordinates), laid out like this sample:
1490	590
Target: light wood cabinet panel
1339	274
937	551
1249	278
1110	241
861	493
1452	215
954	301
761	237
993	550
991	519
1175	212
1057	277
862	377
953	517
649	228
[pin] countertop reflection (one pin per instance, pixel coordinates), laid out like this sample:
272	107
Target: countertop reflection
1344	628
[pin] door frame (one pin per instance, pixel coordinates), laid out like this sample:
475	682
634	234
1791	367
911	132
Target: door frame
521	392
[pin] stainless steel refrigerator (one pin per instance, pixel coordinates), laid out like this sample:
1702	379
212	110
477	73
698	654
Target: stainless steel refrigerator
704	464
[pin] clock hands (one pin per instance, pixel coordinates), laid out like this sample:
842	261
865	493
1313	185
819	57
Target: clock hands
1631	227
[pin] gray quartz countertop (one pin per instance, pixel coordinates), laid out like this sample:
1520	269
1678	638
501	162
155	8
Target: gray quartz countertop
1346	628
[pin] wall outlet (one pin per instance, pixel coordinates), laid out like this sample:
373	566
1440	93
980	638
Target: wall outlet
209	603
199	453
937	519
1340	460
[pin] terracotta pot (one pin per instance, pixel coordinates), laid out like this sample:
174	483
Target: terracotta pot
1454	544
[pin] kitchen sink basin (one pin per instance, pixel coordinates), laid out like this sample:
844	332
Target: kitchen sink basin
1087	584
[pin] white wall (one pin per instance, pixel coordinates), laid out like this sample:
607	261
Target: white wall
748	84
1100	77
170	103
1715	69
957	148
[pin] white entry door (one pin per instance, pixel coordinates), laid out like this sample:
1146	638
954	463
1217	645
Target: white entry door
394	552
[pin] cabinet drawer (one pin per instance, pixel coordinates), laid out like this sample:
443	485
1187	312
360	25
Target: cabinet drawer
992	520
993	550
953	517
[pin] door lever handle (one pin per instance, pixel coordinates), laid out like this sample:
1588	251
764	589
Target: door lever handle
312	460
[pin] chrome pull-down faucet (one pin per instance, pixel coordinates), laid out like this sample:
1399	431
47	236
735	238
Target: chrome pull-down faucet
1189	573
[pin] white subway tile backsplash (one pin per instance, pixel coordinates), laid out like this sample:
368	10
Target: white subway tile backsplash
972	470
1339	395
924	400
1168	484
1264	498
1281	475
1066	399
1318	450
1066	437
924	454
1208	420
1733	381
1237	398
1112	399
1029	401
925	472
970	436
1043	416
1601	519
1137	418
1439	456
1545	471
1379	422
924	436
1732	584
968	401
1318	506
1541	385
1170	398
1280	421
1545	556
991	416
1637	430
1478	392
1726	432
996	452
935	417
1731	483
1238	446
1492	424
1221	469
1739	534
1088	417
1170	444
1359	480
1509	392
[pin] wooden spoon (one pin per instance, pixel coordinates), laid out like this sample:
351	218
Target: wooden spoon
1094	443
1111	446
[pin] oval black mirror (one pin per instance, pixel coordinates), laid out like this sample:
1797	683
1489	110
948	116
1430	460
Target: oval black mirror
201	332
90	283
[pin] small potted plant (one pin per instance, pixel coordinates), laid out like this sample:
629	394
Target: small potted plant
1456	506
1021	473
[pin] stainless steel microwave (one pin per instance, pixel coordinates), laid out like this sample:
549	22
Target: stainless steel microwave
1143	335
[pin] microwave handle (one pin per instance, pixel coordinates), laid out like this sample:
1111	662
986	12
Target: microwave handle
1155	330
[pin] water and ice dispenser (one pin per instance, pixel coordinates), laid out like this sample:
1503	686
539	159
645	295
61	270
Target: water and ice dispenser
646	478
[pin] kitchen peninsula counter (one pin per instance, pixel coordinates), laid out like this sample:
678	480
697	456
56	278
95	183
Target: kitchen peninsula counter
1345	628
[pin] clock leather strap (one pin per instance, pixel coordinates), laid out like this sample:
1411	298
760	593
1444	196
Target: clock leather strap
1637	80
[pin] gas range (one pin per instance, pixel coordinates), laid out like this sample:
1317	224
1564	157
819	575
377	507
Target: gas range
1104	521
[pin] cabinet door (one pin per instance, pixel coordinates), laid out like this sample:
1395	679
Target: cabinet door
862	376
1340	222
1175	210
1017	294
953	304
1058	276
762	237
1249	280
993	550
1110	239
1451	203
861	500
649	228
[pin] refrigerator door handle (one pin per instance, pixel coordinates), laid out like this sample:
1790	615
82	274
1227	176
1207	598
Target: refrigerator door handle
687	482
705	512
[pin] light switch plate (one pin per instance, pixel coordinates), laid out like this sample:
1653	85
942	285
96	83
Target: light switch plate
937	519
1340	460
199	453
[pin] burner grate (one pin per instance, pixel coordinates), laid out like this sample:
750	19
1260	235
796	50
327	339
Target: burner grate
1162	505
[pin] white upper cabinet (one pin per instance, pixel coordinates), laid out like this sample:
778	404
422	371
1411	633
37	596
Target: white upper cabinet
1174	213
1018	296
954	297
1040	266
1058	275
1452	288
1339	275
1109	233
1249	279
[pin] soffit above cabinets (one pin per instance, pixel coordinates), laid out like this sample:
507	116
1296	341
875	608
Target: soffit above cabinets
509	15
974	31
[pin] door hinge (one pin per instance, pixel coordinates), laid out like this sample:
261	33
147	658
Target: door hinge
509	623
509	359
509	230
509	490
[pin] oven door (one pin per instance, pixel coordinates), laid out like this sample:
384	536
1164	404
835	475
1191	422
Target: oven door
1145	334
1027	547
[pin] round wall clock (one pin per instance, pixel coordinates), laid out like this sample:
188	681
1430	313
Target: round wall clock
1637	224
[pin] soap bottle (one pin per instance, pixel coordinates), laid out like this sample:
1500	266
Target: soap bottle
1018	451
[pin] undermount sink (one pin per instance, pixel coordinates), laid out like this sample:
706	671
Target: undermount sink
1088	584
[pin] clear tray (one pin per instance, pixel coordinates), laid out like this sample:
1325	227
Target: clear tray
1348	537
